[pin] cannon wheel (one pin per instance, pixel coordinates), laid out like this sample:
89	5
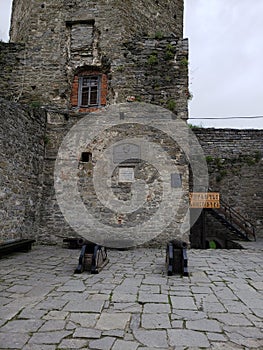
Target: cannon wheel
81	264
99	259
169	259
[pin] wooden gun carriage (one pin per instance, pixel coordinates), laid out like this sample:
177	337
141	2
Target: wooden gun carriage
176	258
93	257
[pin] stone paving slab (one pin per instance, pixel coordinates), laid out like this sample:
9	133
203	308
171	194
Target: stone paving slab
132	304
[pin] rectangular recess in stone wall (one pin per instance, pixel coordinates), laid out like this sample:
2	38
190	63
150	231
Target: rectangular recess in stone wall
81	35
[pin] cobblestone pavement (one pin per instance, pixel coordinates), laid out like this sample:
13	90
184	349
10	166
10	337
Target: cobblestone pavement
131	304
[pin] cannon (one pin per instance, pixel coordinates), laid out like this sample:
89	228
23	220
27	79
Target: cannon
176	258
93	258
74	243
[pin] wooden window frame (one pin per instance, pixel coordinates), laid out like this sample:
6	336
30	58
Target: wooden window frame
85	82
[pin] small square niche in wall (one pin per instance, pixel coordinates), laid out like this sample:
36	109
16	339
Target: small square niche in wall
86	157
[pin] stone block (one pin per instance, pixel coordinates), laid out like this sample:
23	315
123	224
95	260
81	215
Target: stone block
109	321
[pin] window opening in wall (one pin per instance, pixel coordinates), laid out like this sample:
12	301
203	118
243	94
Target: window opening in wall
89	91
86	157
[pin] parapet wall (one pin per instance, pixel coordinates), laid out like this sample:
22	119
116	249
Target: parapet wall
229	143
235	165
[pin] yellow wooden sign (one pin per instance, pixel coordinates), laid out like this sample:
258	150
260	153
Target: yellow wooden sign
204	200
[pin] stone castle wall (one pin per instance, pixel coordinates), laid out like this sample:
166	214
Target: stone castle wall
53	226
235	166
142	57
11	70
22	140
29	147
136	48
142	54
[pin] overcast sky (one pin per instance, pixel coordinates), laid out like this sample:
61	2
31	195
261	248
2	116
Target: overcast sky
226	60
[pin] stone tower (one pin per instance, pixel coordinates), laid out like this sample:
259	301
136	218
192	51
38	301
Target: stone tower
76	58
135	48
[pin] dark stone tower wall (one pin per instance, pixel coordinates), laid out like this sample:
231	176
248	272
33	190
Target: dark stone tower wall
137	45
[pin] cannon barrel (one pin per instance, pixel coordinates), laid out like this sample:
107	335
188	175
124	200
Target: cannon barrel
178	244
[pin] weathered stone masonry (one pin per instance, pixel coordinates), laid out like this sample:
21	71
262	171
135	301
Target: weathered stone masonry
52	224
136	49
28	206
22	144
235	159
138	46
139	53
11	72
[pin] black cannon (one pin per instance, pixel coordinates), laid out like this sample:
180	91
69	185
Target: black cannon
74	243
176	258
93	258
